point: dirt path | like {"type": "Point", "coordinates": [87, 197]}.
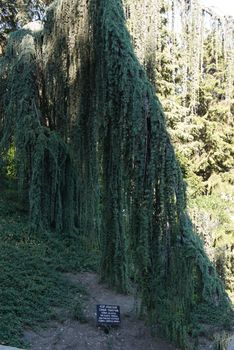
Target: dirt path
{"type": "Point", "coordinates": [72, 335]}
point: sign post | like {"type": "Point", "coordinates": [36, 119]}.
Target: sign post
{"type": "Point", "coordinates": [108, 315]}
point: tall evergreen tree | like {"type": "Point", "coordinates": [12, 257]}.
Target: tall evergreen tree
{"type": "Point", "coordinates": [188, 54]}
{"type": "Point", "coordinates": [94, 156]}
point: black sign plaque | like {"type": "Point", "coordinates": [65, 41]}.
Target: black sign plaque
{"type": "Point", "coordinates": [108, 315]}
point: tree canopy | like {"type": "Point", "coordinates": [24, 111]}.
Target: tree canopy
{"type": "Point", "coordinates": [15, 14]}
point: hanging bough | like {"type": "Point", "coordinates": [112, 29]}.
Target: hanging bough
{"type": "Point", "coordinates": [44, 164]}
{"type": "Point", "coordinates": [93, 153]}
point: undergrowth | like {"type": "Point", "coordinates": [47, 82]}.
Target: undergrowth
{"type": "Point", "coordinates": [32, 285]}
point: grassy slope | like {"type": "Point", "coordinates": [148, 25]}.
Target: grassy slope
{"type": "Point", "coordinates": [31, 282]}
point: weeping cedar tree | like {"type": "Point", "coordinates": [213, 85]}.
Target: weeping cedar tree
{"type": "Point", "coordinates": [94, 156]}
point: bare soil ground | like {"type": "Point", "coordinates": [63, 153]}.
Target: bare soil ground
{"type": "Point", "coordinates": [73, 335]}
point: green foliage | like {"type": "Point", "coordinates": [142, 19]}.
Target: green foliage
{"type": "Point", "coordinates": [188, 55]}
{"type": "Point", "coordinates": [10, 164]}
{"type": "Point", "coordinates": [78, 312]}
{"type": "Point", "coordinates": [213, 218]}
{"type": "Point", "coordinates": [31, 282]}
{"type": "Point", "coordinates": [7, 168]}
{"type": "Point", "coordinates": [15, 14]}
{"type": "Point", "coordinates": [160, 232]}
{"type": "Point", "coordinates": [43, 160]}
{"type": "Point", "coordinates": [95, 158]}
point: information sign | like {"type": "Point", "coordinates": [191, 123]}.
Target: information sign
{"type": "Point", "coordinates": [108, 315]}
